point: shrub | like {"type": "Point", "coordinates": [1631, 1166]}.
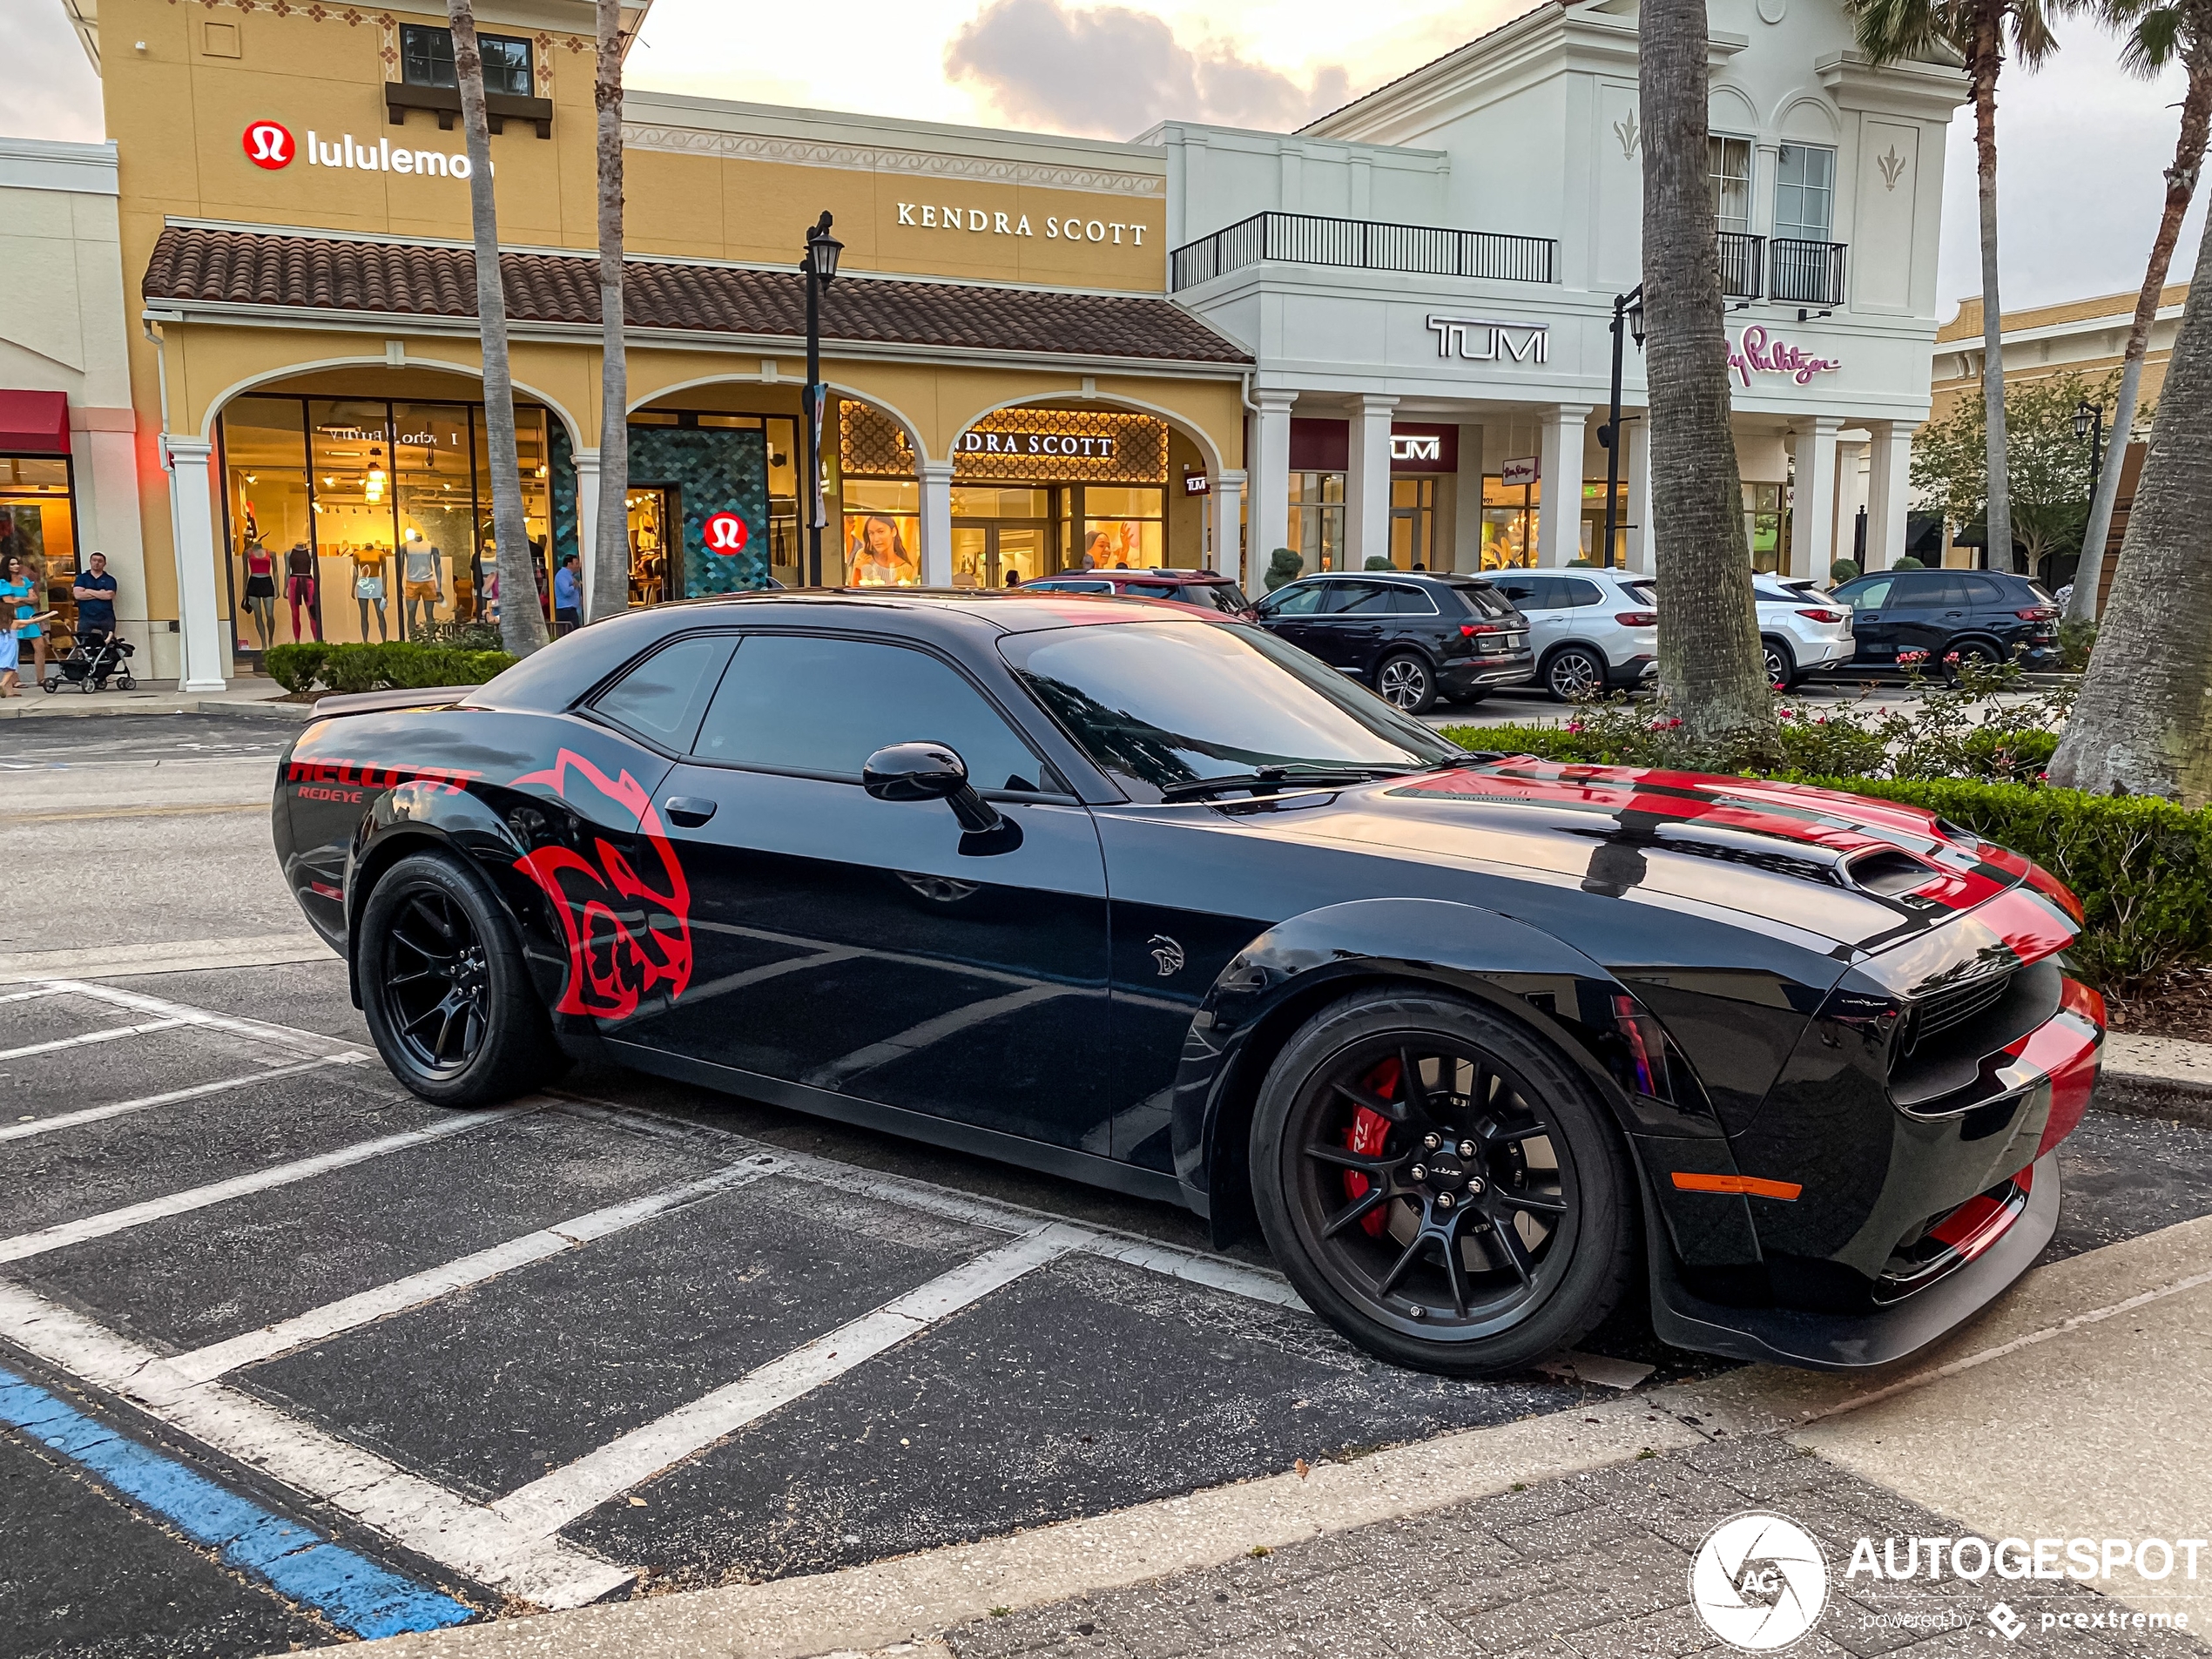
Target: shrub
{"type": "Point", "coordinates": [400, 665]}
{"type": "Point", "coordinates": [1908, 562]}
{"type": "Point", "coordinates": [1283, 568]}
{"type": "Point", "coordinates": [294, 667]}
{"type": "Point", "coordinates": [1843, 570]}
{"type": "Point", "coordinates": [1377, 561]}
{"type": "Point", "coordinates": [462, 635]}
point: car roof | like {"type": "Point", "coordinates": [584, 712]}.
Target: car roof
{"type": "Point", "coordinates": [1199, 578]}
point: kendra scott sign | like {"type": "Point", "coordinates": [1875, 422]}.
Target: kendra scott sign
{"type": "Point", "coordinates": [977, 221]}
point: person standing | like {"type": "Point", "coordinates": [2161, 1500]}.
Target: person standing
{"type": "Point", "coordinates": [18, 603]}
{"type": "Point", "coordinates": [10, 683]}
{"type": "Point", "coordinates": [568, 597]}
{"type": "Point", "coordinates": [95, 595]}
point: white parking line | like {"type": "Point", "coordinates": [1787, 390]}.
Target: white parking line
{"type": "Point", "coordinates": [94, 1114]}
{"type": "Point", "coordinates": [105, 1034]}
{"type": "Point", "coordinates": [1198, 1267]}
{"type": "Point", "coordinates": [62, 1234]}
{"type": "Point", "coordinates": [414, 1513]}
{"type": "Point", "coordinates": [30, 996]}
{"type": "Point", "coordinates": [348, 1313]}
{"type": "Point", "coordinates": [284, 1037]}
{"type": "Point", "coordinates": [546, 1506]}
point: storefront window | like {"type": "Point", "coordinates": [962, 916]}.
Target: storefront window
{"type": "Point", "coordinates": [1763, 524]}
{"type": "Point", "coordinates": [1122, 528]}
{"type": "Point", "coordinates": [355, 519]}
{"type": "Point", "coordinates": [1731, 171]}
{"type": "Point", "coordinates": [1317, 519]}
{"type": "Point", "coordinates": [533, 462]}
{"type": "Point", "coordinates": [1413, 524]}
{"type": "Point", "coordinates": [1508, 524]}
{"type": "Point", "coordinates": [882, 533]}
{"type": "Point", "coordinates": [37, 521]}
{"type": "Point", "coordinates": [1594, 524]}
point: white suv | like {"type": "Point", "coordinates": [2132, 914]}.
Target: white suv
{"type": "Point", "coordinates": [1592, 630]}
{"type": "Point", "coordinates": [1800, 628]}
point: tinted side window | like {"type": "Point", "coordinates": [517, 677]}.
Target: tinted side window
{"type": "Point", "coordinates": [798, 703]}
{"type": "Point", "coordinates": [1411, 602]}
{"type": "Point", "coordinates": [1151, 590]}
{"type": "Point", "coordinates": [1362, 599]}
{"type": "Point", "coordinates": [1528, 592]}
{"type": "Point", "coordinates": [1483, 600]}
{"type": "Point", "coordinates": [660, 699]}
{"type": "Point", "coordinates": [1918, 590]}
{"type": "Point", "coordinates": [1982, 591]}
{"type": "Point", "coordinates": [1870, 595]}
{"type": "Point", "coordinates": [1300, 599]}
{"type": "Point", "coordinates": [1574, 591]}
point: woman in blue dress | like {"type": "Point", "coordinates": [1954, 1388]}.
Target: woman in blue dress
{"type": "Point", "coordinates": [16, 595]}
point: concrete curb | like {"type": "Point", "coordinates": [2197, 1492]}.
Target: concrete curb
{"type": "Point", "coordinates": [63, 705]}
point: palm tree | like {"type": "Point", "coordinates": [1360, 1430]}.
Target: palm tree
{"type": "Point", "coordinates": [2159, 32]}
{"type": "Point", "coordinates": [610, 541]}
{"type": "Point", "coordinates": [2138, 726]}
{"type": "Point", "coordinates": [1979, 31]}
{"type": "Point", "coordinates": [1712, 671]}
{"type": "Point", "coordinates": [522, 624]}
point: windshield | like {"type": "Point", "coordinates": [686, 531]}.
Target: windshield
{"type": "Point", "coordinates": [1155, 704]}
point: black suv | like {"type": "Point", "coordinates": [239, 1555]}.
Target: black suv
{"type": "Point", "coordinates": [1412, 636]}
{"type": "Point", "coordinates": [1987, 617]}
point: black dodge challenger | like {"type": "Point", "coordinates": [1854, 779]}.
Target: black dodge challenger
{"type": "Point", "coordinates": [1482, 1044]}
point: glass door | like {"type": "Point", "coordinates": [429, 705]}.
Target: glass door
{"type": "Point", "coordinates": [650, 513]}
{"type": "Point", "coordinates": [1019, 553]}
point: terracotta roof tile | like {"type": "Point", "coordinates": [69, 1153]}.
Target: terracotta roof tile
{"type": "Point", "coordinates": [253, 268]}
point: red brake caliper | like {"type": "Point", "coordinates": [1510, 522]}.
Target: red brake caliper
{"type": "Point", "coordinates": [1368, 1131]}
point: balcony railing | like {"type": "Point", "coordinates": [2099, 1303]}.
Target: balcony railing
{"type": "Point", "coordinates": [1743, 264]}
{"type": "Point", "coordinates": [1307, 238]}
{"type": "Point", "coordinates": [1805, 274]}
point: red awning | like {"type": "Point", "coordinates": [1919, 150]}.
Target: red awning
{"type": "Point", "coordinates": [34, 423]}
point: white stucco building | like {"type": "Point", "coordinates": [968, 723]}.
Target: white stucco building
{"type": "Point", "coordinates": [1426, 279]}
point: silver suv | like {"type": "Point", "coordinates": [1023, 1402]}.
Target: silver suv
{"type": "Point", "coordinates": [1592, 630]}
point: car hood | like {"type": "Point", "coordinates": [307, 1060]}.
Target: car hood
{"type": "Point", "coordinates": [1822, 865]}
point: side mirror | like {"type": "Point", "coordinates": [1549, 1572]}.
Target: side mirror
{"type": "Point", "coordinates": [929, 771]}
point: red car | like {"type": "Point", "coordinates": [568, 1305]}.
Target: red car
{"type": "Point", "coordinates": [1208, 589]}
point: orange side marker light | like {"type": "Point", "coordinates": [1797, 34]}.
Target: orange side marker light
{"type": "Point", "coordinates": [1749, 1186]}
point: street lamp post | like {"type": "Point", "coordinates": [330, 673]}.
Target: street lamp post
{"type": "Point", "coordinates": [2090, 427]}
{"type": "Point", "coordinates": [1629, 307]}
{"type": "Point", "coordinates": [818, 267]}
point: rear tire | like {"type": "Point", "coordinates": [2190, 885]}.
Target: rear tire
{"type": "Point", "coordinates": [1781, 666]}
{"type": "Point", "coordinates": [1508, 1238]}
{"type": "Point", "coordinates": [446, 994]}
{"type": "Point", "coordinates": [1575, 671]}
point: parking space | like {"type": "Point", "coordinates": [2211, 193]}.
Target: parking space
{"type": "Point", "coordinates": [624, 1336]}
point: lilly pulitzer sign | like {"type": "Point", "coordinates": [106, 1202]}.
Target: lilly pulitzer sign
{"type": "Point", "coordinates": [1757, 352]}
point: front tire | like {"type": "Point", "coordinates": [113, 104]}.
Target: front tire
{"type": "Point", "coordinates": [1469, 1225]}
{"type": "Point", "coordinates": [447, 995]}
{"type": "Point", "coordinates": [1404, 682]}
{"type": "Point", "coordinates": [1573, 672]}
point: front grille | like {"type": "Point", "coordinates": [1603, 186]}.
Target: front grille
{"type": "Point", "coordinates": [1939, 1010]}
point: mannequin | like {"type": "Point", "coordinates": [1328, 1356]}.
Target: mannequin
{"type": "Point", "coordinates": [368, 589]}
{"type": "Point", "coordinates": [422, 580]}
{"type": "Point", "coordinates": [261, 592]}
{"type": "Point", "coordinates": [300, 588]}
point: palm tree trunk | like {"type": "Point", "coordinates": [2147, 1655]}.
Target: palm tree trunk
{"type": "Point", "coordinates": [2181, 185]}
{"type": "Point", "coordinates": [1712, 673]}
{"type": "Point", "coordinates": [610, 541]}
{"type": "Point", "coordinates": [522, 624]}
{"type": "Point", "coordinates": [2138, 725]}
{"type": "Point", "coordinates": [1981, 68]}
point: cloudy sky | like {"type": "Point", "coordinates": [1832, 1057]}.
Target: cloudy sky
{"type": "Point", "coordinates": [2082, 145]}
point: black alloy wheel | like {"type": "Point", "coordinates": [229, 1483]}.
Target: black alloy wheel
{"type": "Point", "coordinates": [444, 989]}
{"type": "Point", "coordinates": [1978, 652]}
{"type": "Point", "coordinates": [1575, 671]}
{"type": "Point", "coordinates": [1439, 1185]}
{"type": "Point", "coordinates": [1780, 667]}
{"type": "Point", "coordinates": [1404, 681]}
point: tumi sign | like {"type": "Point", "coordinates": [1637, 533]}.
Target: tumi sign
{"type": "Point", "coordinates": [1424, 448]}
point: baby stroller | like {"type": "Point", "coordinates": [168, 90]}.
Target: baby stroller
{"type": "Point", "coordinates": [94, 656]}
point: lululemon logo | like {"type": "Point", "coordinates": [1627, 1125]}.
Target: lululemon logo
{"type": "Point", "coordinates": [268, 145]}
{"type": "Point", "coordinates": [1758, 1582]}
{"type": "Point", "coordinates": [725, 533]}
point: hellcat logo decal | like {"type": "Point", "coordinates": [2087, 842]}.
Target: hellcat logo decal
{"type": "Point", "coordinates": [626, 939]}
{"type": "Point", "coordinates": [1166, 953]}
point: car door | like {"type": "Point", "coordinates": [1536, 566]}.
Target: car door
{"type": "Point", "coordinates": [865, 946]}
{"type": "Point", "coordinates": [1291, 613]}
{"type": "Point", "coordinates": [1537, 597]}
{"type": "Point", "coordinates": [1926, 607]}
{"type": "Point", "coordinates": [1870, 618]}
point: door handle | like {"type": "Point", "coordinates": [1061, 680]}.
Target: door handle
{"type": "Point", "coordinates": [688, 811]}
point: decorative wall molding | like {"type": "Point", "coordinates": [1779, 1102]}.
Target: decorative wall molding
{"type": "Point", "coordinates": [860, 158]}
{"type": "Point", "coordinates": [387, 27]}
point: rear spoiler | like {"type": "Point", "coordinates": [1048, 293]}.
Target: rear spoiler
{"type": "Point", "coordinates": [433, 696]}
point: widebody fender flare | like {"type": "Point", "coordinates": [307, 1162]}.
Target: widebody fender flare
{"type": "Point", "coordinates": [1283, 975]}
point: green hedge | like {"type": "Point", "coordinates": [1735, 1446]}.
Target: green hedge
{"type": "Point", "coordinates": [400, 665]}
{"type": "Point", "coordinates": [2142, 867]}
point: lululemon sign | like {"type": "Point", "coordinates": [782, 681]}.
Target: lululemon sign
{"type": "Point", "coordinates": [726, 535]}
{"type": "Point", "coordinates": [268, 144]}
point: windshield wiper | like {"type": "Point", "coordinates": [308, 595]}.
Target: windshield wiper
{"type": "Point", "coordinates": [1273, 778]}
{"type": "Point", "coordinates": [1472, 758]}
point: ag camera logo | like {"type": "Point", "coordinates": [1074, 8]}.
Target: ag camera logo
{"type": "Point", "coordinates": [1758, 1582]}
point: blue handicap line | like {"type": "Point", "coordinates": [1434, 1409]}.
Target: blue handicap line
{"type": "Point", "coordinates": [349, 1589]}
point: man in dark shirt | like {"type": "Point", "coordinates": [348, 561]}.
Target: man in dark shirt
{"type": "Point", "coordinates": [95, 597]}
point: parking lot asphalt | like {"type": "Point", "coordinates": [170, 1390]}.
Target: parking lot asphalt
{"type": "Point", "coordinates": [623, 1338]}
